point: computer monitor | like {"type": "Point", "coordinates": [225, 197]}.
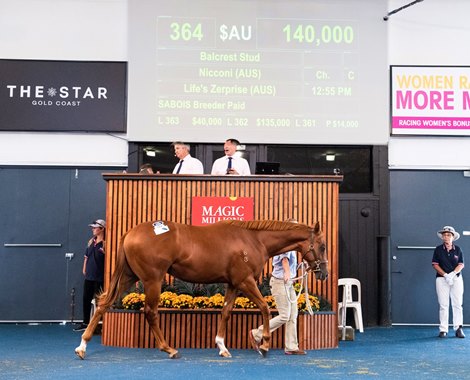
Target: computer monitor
{"type": "Point", "coordinates": [267, 168]}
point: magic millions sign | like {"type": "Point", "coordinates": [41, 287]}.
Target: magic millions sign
{"type": "Point", "coordinates": [208, 210]}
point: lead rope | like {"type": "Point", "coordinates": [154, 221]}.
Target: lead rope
{"type": "Point", "coordinates": [303, 286]}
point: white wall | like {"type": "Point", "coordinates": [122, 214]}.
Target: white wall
{"type": "Point", "coordinates": [94, 30]}
{"type": "Point", "coordinates": [432, 32]}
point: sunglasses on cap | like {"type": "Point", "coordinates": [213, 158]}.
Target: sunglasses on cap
{"type": "Point", "coordinates": [96, 224]}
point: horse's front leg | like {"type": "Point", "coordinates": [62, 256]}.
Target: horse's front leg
{"type": "Point", "coordinates": [230, 295]}
{"type": "Point", "coordinates": [250, 289]}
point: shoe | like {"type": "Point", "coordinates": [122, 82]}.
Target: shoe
{"type": "Point", "coordinates": [296, 352]}
{"type": "Point", "coordinates": [459, 333]}
{"type": "Point", "coordinates": [254, 343]}
{"type": "Point", "coordinates": [81, 327]}
{"type": "Point", "coordinates": [442, 334]}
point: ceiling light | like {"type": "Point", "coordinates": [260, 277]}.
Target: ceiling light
{"type": "Point", "coordinates": [150, 152]}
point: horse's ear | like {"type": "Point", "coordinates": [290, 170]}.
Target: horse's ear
{"type": "Point", "coordinates": [316, 228]}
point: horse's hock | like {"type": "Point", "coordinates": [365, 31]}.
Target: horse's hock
{"type": "Point", "coordinates": [133, 199]}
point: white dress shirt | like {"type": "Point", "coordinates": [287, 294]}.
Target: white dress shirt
{"type": "Point", "coordinates": [219, 167]}
{"type": "Point", "coordinates": [190, 165]}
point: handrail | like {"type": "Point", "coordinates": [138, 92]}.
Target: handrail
{"type": "Point", "coordinates": [413, 247]}
{"type": "Point", "coordinates": [8, 245]}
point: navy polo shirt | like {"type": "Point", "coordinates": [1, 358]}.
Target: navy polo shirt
{"type": "Point", "coordinates": [95, 262]}
{"type": "Point", "coordinates": [447, 260]}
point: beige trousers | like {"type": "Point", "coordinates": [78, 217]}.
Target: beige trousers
{"type": "Point", "coordinates": [287, 314]}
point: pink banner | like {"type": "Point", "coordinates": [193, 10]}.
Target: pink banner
{"type": "Point", "coordinates": [431, 123]}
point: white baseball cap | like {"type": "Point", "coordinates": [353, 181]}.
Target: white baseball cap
{"type": "Point", "coordinates": [98, 223]}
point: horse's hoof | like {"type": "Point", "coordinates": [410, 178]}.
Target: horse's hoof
{"type": "Point", "coordinates": [175, 355]}
{"type": "Point", "coordinates": [80, 353]}
{"type": "Point", "coordinates": [225, 354]}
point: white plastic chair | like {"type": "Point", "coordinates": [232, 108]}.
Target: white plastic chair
{"type": "Point", "coordinates": [347, 284]}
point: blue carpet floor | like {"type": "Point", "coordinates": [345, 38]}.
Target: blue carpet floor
{"type": "Point", "coordinates": [46, 351]}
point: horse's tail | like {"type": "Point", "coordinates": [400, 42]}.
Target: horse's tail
{"type": "Point", "coordinates": [122, 279]}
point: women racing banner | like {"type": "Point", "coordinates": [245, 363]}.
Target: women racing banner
{"type": "Point", "coordinates": [430, 100]}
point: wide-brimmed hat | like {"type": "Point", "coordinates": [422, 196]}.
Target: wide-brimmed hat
{"type": "Point", "coordinates": [448, 229]}
{"type": "Point", "coordinates": [98, 223]}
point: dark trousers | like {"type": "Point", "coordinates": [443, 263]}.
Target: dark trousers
{"type": "Point", "coordinates": [90, 290]}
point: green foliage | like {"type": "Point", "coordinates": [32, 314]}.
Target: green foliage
{"type": "Point", "coordinates": [324, 304]}
{"type": "Point", "coordinates": [264, 287]}
{"type": "Point", "coordinates": [200, 293]}
{"type": "Point", "coordinates": [166, 287]}
{"type": "Point", "coordinates": [139, 287]}
{"type": "Point", "coordinates": [208, 290]}
{"type": "Point", "coordinates": [213, 289]}
{"type": "Point", "coordinates": [197, 290]}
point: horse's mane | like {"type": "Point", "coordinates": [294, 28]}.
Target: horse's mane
{"type": "Point", "coordinates": [270, 225]}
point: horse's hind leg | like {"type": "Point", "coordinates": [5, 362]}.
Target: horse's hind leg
{"type": "Point", "coordinates": [151, 314]}
{"type": "Point", "coordinates": [230, 295]}
{"type": "Point", "coordinates": [80, 351]}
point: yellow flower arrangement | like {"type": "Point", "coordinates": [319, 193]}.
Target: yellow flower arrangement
{"type": "Point", "coordinates": [270, 301]}
{"type": "Point", "coordinates": [166, 299]}
{"type": "Point", "coordinates": [216, 301]}
{"type": "Point", "coordinates": [297, 287]}
{"type": "Point", "coordinates": [201, 302]}
{"type": "Point", "coordinates": [134, 301]}
{"type": "Point", "coordinates": [244, 303]}
{"type": "Point", "coordinates": [183, 301]}
{"type": "Point", "coordinates": [302, 304]}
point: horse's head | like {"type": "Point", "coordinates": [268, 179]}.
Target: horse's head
{"type": "Point", "coordinates": [315, 253]}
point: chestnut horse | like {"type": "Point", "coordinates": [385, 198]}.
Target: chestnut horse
{"type": "Point", "coordinates": [231, 252]}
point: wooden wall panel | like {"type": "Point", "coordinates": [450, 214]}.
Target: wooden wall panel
{"type": "Point", "coordinates": [198, 328]}
{"type": "Point", "coordinates": [133, 199]}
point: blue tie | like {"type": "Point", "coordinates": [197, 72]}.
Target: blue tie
{"type": "Point", "coordinates": [179, 167]}
{"type": "Point", "coordinates": [229, 163]}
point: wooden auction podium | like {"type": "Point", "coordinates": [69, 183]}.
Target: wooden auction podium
{"type": "Point", "coordinates": [137, 198]}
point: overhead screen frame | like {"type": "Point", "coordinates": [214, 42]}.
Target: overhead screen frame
{"type": "Point", "coordinates": [364, 121]}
